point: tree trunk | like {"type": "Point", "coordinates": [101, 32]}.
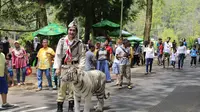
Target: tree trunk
{"type": "Point", "coordinates": [148, 21]}
{"type": "Point", "coordinates": [88, 20]}
{"type": "Point", "coordinates": [70, 14]}
{"type": "Point", "coordinates": [42, 15]}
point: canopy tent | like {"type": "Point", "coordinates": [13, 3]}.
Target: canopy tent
{"type": "Point", "coordinates": [116, 33]}
{"type": "Point", "coordinates": [100, 39]}
{"type": "Point", "coordinates": [106, 23]}
{"type": "Point", "coordinates": [103, 27]}
{"type": "Point", "coordinates": [51, 30]}
{"type": "Point", "coordinates": [134, 38]}
{"type": "Point", "coordinates": [134, 42]}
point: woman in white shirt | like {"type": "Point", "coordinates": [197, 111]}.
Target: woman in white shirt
{"type": "Point", "coordinates": [181, 51]}
{"type": "Point", "coordinates": [149, 57]}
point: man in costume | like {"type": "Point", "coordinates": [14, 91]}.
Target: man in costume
{"type": "Point", "coordinates": [69, 52]}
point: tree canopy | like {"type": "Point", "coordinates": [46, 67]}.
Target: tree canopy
{"type": "Point", "coordinates": [176, 18]}
{"type": "Point", "coordinates": [34, 14]}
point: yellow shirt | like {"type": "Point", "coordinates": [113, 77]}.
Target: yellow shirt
{"type": "Point", "coordinates": [45, 56]}
{"type": "Point", "coordinates": [131, 54]}
{"type": "Point", "coordinates": [2, 64]}
{"type": "Point", "coordinates": [95, 52]}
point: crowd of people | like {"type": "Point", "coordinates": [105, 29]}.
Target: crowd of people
{"type": "Point", "coordinates": [116, 59]}
{"type": "Point", "coordinates": [170, 52]}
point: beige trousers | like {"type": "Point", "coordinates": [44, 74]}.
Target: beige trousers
{"type": "Point", "coordinates": [125, 71]}
{"type": "Point", "coordinates": [65, 89]}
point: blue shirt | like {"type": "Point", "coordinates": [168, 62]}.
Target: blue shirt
{"type": "Point", "coordinates": [185, 44]}
{"type": "Point", "coordinates": [193, 53]}
{"type": "Point", "coordinates": [90, 61]}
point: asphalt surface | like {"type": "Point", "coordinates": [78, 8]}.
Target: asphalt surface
{"type": "Point", "coordinates": [164, 90]}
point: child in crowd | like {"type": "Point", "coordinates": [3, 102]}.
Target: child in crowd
{"type": "Point", "coordinates": [193, 54]}
{"type": "Point", "coordinates": [173, 58]}
{"type": "Point", "coordinates": [3, 82]}
{"type": "Point", "coordinates": [10, 69]}
{"type": "Point", "coordinates": [54, 78]}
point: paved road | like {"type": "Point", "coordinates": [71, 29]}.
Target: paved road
{"type": "Point", "coordinates": [150, 93]}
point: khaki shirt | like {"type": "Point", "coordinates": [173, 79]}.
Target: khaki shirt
{"type": "Point", "coordinates": [77, 50]}
{"type": "Point", "coordinates": [2, 65]}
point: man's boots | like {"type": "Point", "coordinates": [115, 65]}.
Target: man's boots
{"type": "Point", "coordinates": [71, 106]}
{"type": "Point", "coordinates": [59, 106]}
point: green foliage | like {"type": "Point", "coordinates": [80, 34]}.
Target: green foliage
{"type": "Point", "coordinates": [175, 18]}
{"type": "Point", "coordinates": [169, 33]}
{"type": "Point", "coordinates": [94, 11]}
{"type": "Point", "coordinates": [21, 12]}
{"type": "Point", "coordinates": [191, 41]}
{"type": "Point", "coordinates": [24, 38]}
{"type": "Point", "coordinates": [101, 9]}
{"type": "Point", "coordinates": [137, 27]}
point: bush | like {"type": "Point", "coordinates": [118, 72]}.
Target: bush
{"type": "Point", "coordinates": [191, 41]}
{"type": "Point", "coordinates": [24, 38]}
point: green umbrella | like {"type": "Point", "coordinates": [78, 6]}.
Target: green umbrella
{"type": "Point", "coordinates": [51, 30]}
{"type": "Point", "coordinates": [116, 33]}
{"type": "Point", "coordinates": [106, 23]}
{"type": "Point", "coordinates": [100, 39]}
{"type": "Point", "coordinates": [134, 42]}
{"type": "Point", "coordinates": [134, 38]}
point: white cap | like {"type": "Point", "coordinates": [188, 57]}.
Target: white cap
{"type": "Point", "coordinates": [73, 24]}
{"type": "Point", "coordinates": [16, 42]}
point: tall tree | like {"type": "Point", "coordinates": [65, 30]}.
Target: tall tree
{"type": "Point", "coordinates": [89, 16]}
{"type": "Point", "coordinates": [42, 14]}
{"type": "Point", "coordinates": [147, 29]}
{"type": "Point", "coordinates": [21, 13]}
{"type": "Point", "coordinates": [93, 11]}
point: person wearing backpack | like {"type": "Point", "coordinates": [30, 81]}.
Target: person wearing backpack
{"type": "Point", "coordinates": [193, 54]}
{"type": "Point", "coordinates": [123, 55]}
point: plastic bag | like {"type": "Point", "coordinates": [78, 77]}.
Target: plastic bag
{"type": "Point", "coordinates": [28, 70]}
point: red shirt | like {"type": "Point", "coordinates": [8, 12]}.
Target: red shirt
{"type": "Point", "coordinates": [109, 49]}
{"type": "Point", "coordinates": [161, 47]}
